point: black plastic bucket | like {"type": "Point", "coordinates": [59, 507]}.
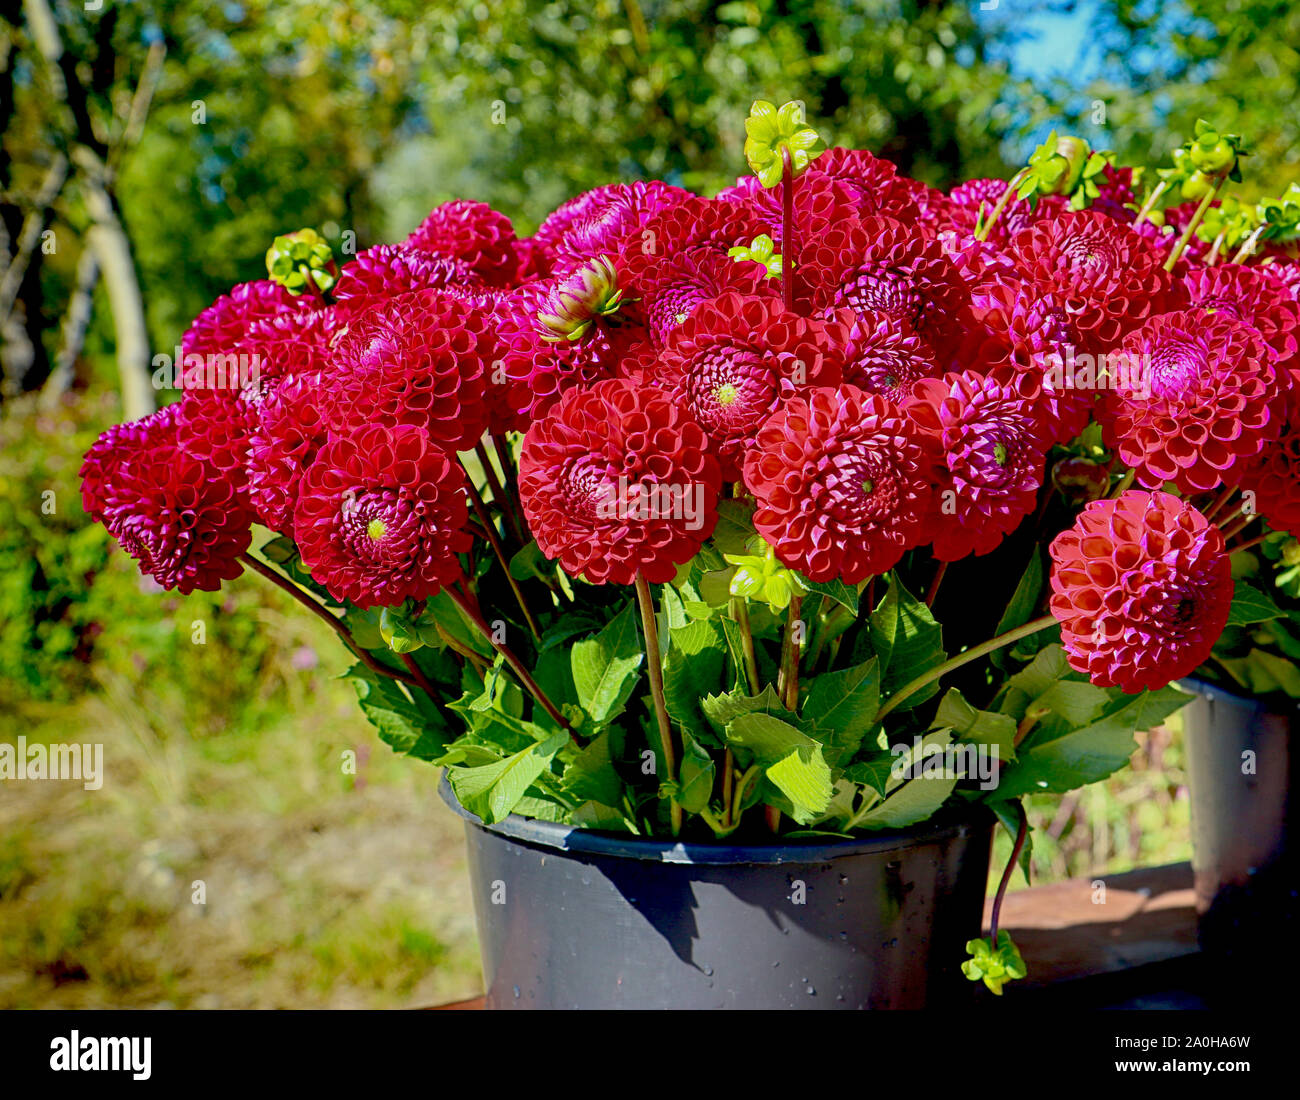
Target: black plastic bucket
{"type": "Point", "coordinates": [1241, 763]}
{"type": "Point", "coordinates": [570, 918]}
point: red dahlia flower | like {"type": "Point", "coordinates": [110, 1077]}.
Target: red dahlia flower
{"type": "Point", "coordinates": [220, 327]}
{"type": "Point", "coordinates": [878, 266]}
{"type": "Point", "coordinates": [183, 526]}
{"type": "Point", "coordinates": [424, 359]}
{"type": "Point", "coordinates": [289, 430]}
{"type": "Point", "coordinates": [676, 286]}
{"type": "Point", "coordinates": [616, 479]}
{"type": "Point", "coordinates": [994, 447]}
{"type": "Point", "coordinates": [380, 516]}
{"type": "Point", "coordinates": [1246, 294]}
{"type": "Point", "coordinates": [473, 233]}
{"type": "Point", "coordinates": [1190, 398]}
{"type": "Point", "coordinates": [391, 269]}
{"type": "Point", "coordinates": [734, 361]}
{"type": "Point", "coordinates": [1103, 277]}
{"type": "Point", "coordinates": [1274, 476]}
{"type": "Point", "coordinates": [842, 482]}
{"type": "Point", "coordinates": [1141, 587]}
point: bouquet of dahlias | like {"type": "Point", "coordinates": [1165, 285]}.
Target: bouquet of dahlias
{"type": "Point", "coordinates": [641, 524]}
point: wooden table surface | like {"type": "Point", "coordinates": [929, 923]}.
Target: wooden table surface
{"type": "Point", "coordinates": [1121, 941]}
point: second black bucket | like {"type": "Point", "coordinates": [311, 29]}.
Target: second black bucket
{"type": "Point", "coordinates": [569, 918]}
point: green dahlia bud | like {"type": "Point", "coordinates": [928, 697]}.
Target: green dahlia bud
{"type": "Point", "coordinates": [295, 258]}
{"type": "Point", "coordinates": [994, 966]}
{"type": "Point", "coordinates": [578, 300]}
{"type": "Point", "coordinates": [1058, 164]}
{"type": "Point", "coordinates": [761, 577]}
{"type": "Point", "coordinates": [1197, 186]}
{"type": "Point", "coordinates": [761, 251]}
{"type": "Point", "coordinates": [770, 131]}
{"type": "Point", "coordinates": [1215, 153]}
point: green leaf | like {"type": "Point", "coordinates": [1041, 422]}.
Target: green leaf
{"type": "Point", "coordinates": [984, 727]}
{"type": "Point", "coordinates": [843, 594]}
{"type": "Point", "coordinates": [1063, 761]}
{"type": "Point", "coordinates": [401, 724]}
{"type": "Point", "coordinates": [1026, 686]}
{"type": "Point", "coordinates": [590, 775]}
{"type": "Point", "coordinates": [606, 668]}
{"type": "Point", "coordinates": [874, 772]}
{"type": "Point", "coordinates": [1024, 601]}
{"type": "Point", "coordinates": [908, 641]}
{"type": "Point", "coordinates": [442, 611]}
{"type": "Point", "coordinates": [723, 709]}
{"type": "Point", "coordinates": [842, 708]}
{"type": "Point", "coordinates": [1250, 605]}
{"type": "Point", "coordinates": [791, 760]}
{"type": "Point", "coordinates": [492, 791]}
{"type": "Point", "coordinates": [695, 778]}
{"type": "Point", "coordinates": [735, 527]}
{"type": "Point", "coordinates": [531, 563]}
{"type": "Point", "coordinates": [692, 669]}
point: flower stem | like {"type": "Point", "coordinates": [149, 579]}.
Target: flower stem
{"type": "Point", "coordinates": [1150, 203]}
{"type": "Point", "coordinates": [1213, 257]}
{"type": "Point", "coordinates": [420, 678]}
{"type": "Point", "coordinates": [1247, 249]}
{"type": "Point", "coordinates": [1217, 505]}
{"type": "Point", "coordinates": [502, 498]}
{"type": "Point", "coordinates": [1122, 486]}
{"type": "Point", "coordinates": [787, 230]}
{"type": "Point", "coordinates": [494, 540]}
{"type": "Point", "coordinates": [1250, 544]}
{"type": "Point", "coordinates": [934, 584]}
{"type": "Point", "coordinates": [471, 612]}
{"type": "Point", "coordinates": [654, 664]}
{"type": "Point", "coordinates": [1022, 832]}
{"type": "Point", "coordinates": [788, 677]}
{"type": "Point", "coordinates": [740, 612]}
{"type": "Point", "coordinates": [911, 688]}
{"type": "Point", "coordinates": [1197, 218]}
{"type": "Point", "coordinates": [336, 624]}
{"type": "Point", "coordinates": [1012, 184]}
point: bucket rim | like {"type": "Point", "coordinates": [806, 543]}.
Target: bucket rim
{"type": "Point", "coordinates": [572, 839]}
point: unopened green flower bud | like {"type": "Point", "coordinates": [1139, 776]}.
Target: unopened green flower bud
{"type": "Point", "coordinates": [302, 261]}
{"type": "Point", "coordinates": [1197, 186]}
{"type": "Point", "coordinates": [770, 133]}
{"type": "Point", "coordinates": [761, 251]}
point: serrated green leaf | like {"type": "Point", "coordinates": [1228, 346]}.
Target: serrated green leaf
{"type": "Point", "coordinates": [695, 776]}
{"type": "Point", "coordinates": [790, 759]}
{"type": "Point", "coordinates": [842, 706]}
{"type": "Point", "coordinates": [908, 642]}
{"type": "Point", "coordinates": [735, 527]}
{"type": "Point", "coordinates": [606, 668]}
{"type": "Point", "coordinates": [722, 709]}
{"type": "Point", "coordinates": [1251, 605]}
{"type": "Point", "coordinates": [983, 727]}
{"type": "Point", "coordinates": [492, 791]}
{"type": "Point", "coordinates": [1024, 601]}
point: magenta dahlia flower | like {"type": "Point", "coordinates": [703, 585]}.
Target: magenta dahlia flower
{"type": "Point", "coordinates": [473, 233]}
{"type": "Point", "coordinates": [184, 527]}
{"type": "Point", "coordinates": [843, 484]}
{"type": "Point", "coordinates": [1192, 395]}
{"type": "Point", "coordinates": [994, 447]}
{"type": "Point", "coordinates": [381, 516]}
{"type": "Point", "coordinates": [617, 480]}
{"type": "Point", "coordinates": [1141, 587]}
{"type": "Point", "coordinates": [734, 361]}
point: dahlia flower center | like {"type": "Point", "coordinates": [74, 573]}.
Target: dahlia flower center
{"type": "Point", "coordinates": [585, 485]}
{"type": "Point", "coordinates": [1222, 305]}
{"type": "Point", "coordinates": [730, 390]}
{"type": "Point", "coordinates": [1177, 365]}
{"type": "Point", "coordinates": [856, 487]}
{"type": "Point", "coordinates": [883, 291]}
{"type": "Point", "coordinates": [1089, 253]}
{"type": "Point", "coordinates": [381, 525]}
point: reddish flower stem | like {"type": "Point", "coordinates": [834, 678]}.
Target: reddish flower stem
{"type": "Point", "coordinates": [494, 540]}
{"type": "Point", "coordinates": [504, 500]}
{"type": "Point", "coordinates": [654, 665]}
{"type": "Point", "coordinates": [787, 231]}
{"type": "Point", "coordinates": [1021, 834]}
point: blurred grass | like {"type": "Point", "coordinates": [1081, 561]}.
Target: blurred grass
{"type": "Point", "coordinates": [322, 889]}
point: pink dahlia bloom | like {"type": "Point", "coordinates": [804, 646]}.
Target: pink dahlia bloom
{"type": "Point", "coordinates": [1193, 395]}
{"type": "Point", "coordinates": [1274, 475]}
{"type": "Point", "coordinates": [380, 516]}
{"type": "Point", "coordinates": [842, 481]}
{"type": "Point", "coordinates": [219, 329]}
{"type": "Point", "coordinates": [734, 361]}
{"type": "Point", "coordinates": [424, 359]}
{"type": "Point", "coordinates": [676, 286]}
{"type": "Point", "coordinates": [1248, 295]}
{"type": "Point", "coordinates": [617, 480]}
{"type": "Point", "coordinates": [993, 447]}
{"type": "Point", "coordinates": [184, 527]}
{"type": "Point", "coordinates": [289, 430]}
{"type": "Point", "coordinates": [881, 353]}
{"type": "Point", "coordinates": [1141, 587]}
{"type": "Point", "coordinates": [391, 269]}
{"type": "Point", "coordinates": [473, 233]}
{"type": "Point", "coordinates": [606, 221]}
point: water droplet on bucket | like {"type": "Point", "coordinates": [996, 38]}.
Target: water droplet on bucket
{"type": "Point", "coordinates": [843, 879]}
{"type": "Point", "coordinates": [516, 992]}
{"type": "Point", "coordinates": [811, 991]}
{"type": "Point", "coordinates": [708, 972]}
